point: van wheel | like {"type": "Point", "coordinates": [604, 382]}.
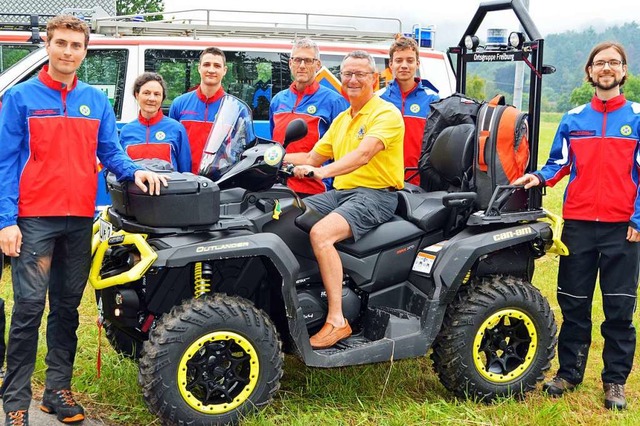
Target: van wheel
{"type": "Point", "coordinates": [210, 360]}
{"type": "Point", "coordinates": [127, 346]}
{"type": "Point", "coordinates": [497, 339]}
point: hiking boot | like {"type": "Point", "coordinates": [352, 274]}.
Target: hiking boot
{"type": "Point", "coordinates": [17, 418]}
{"type": "Point", "coordinates": [614, 396]}
{"type": "Point", "coordinates": [61, 403]}
{"type": "Point", "coordinates": [557, 386]}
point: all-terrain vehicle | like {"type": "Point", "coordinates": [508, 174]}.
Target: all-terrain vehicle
{"type": "Point", "coordinates": [210, 283]}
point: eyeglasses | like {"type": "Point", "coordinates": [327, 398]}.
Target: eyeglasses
{"type": "Point", "coordinates": [307, 61]}
{"type": "Point", "coordinates": [358, 75]}
{"type": "Point", "coordinates": [613, 63]}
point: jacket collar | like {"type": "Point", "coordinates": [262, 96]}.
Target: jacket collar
{"type": "Point", "coordinates": [216, 96]}
{"type": "Point", "coordinates": [309, 90]}
{"type": "Point", "coordinates": [151, 121]}
{"type": "Point", "coordinates": [45, 78]}
{"type": "Point", "coordinates": [610, 105]}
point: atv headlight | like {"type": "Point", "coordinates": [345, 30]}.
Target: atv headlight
{"type": "Point", "coordinates": [471, 42]}
{"type": "Point", "coordinates": [516, 40]}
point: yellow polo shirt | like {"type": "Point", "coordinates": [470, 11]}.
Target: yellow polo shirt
{"type": "Point", "coordinates": [381, 120]}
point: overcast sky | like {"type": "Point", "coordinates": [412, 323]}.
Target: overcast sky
{"type": "Point", "coordinates": [451, 17]}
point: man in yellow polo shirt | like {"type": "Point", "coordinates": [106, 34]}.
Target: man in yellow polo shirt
{"type": "Point", "coordinates": [366, 144]}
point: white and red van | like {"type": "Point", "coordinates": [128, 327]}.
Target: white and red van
{"type": "Point", "coordinates": [257, 55]}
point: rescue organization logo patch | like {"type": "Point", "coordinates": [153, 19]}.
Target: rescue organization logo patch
{"type": "Point", "coordinates": [160, 135]}
{"type": "Point", "coordinates": [273, 155]}
{"type": "Point", "coordinates": [311, 109]}
{"type": "Point", "coordinates": [85, 110]}
{"type": "Point", "coordinates": [625, 130]}
{"type": "Point", "coordinates": [361, 132]}
{"type": "Point", "coordinates": [415, 108]}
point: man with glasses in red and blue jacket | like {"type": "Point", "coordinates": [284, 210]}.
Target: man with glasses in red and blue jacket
{"type": "Point", "coordinates": [597, 146]}
{"type": "Point", "coordinates": [306, 99]}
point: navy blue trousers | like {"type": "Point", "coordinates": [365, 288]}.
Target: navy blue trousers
{"type": "Point", "coordinates": [597, 247]}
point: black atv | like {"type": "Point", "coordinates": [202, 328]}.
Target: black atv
{"type": "Point", "coordinates": [210, 283]}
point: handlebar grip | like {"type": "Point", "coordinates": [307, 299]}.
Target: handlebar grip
{"type": "Point", "coordinates": [309, 175]}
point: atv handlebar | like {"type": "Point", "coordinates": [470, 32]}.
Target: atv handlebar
{"type": "Point", "coordinates": [287, 170]}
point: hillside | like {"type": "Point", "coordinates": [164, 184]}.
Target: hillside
{"type": "Point", "coordinates": [567, 51]}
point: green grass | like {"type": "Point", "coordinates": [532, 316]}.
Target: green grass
{"type": "Point", "coordinates": [394, 393]}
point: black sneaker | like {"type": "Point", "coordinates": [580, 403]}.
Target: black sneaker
{"type": "Point", "coordinates": [17, 418]}
{"type": "Point", "coordinates": [557, 386]}
{"type": "Point", "coordinates": [614, 396]}
{"type": "Point", "coordinates": [61, 403]}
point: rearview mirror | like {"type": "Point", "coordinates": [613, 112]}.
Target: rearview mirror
{"type": "Point", "coordinates": [296, 130]}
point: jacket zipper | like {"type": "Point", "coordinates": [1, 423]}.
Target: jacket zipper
{"type": "Point", "coordinates": [603, 138]}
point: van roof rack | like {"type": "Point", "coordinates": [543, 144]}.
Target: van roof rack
{"type": "Point", "coordinates": [234, 23]}
{"type": "Point", "coordinates": [25, 22]}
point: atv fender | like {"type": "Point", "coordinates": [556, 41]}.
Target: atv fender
{"type": "Point", "coordinates": [268, 245]}
{"type": "Point", "coordinates": [463, 250]}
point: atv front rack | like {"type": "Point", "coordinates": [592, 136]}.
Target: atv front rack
{"type": "Point", "coordinates": [223, 224]}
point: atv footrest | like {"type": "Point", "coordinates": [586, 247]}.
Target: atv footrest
{"type": "Point", "coordinates": [392, 323]}
{"type": "Point", "coordinates": [352, 342]}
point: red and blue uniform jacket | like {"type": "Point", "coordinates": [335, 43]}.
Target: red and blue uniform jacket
{"type": "Point", "coordinates": [318, 106]}
{"type": "Point", "coordinates": [197, 113]}
{"type": "Point", "coordinates": [597, 146]}
{"type": "Point", "coordinates": [415, 107]}
{"type": "Point", "coordinates": [158, 137]}
{"type": "Point", "coordinates": [49, 138]}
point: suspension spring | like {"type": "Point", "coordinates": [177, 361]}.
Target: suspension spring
{"type": "Point", "coordinates": [202, 273]}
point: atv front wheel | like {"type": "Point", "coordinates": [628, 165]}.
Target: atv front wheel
{"type": "Point", "coordinates": [210, 361]}
{"type": "Point", "coordinates": [497, 339]}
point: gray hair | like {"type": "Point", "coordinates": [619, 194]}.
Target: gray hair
{"type": "Point", "coordinates": [360, 54]}
{"type": "Point", "coordinates": [306, 43]}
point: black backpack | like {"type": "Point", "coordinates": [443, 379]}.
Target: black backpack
{"type": "Point", "coordinates": [451, 111]}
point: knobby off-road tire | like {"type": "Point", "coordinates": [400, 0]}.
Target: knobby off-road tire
{"type": "Point", "coordinates": [497, 339]}
{"type": "Point", "coordinates": [210, 361]}
{"type": "Point", "coordinates": [124, 344]}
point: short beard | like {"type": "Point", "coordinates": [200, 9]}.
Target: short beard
{"type": "Point", "coordinates": [612, 85]}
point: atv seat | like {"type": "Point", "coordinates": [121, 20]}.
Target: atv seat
{"type": "Point", "coordinates": [394, 232]}
{"type": "Point", "coordinates": [425, 210]}
{"type": "Point", "coordinates": [451, 158]}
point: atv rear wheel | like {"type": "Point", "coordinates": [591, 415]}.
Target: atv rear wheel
{"type": "Point", "coordinates": [497, 339]}
{"type": "Point", "coordinates": [124, 344]}
{"type": "Point", "coordinates": [210, 360]}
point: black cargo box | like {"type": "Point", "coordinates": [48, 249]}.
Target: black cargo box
{"type": "Point", "coordinates": [189, 200]}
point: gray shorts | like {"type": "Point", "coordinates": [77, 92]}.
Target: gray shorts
{"type": "Point", "coordinates": [362, 208]}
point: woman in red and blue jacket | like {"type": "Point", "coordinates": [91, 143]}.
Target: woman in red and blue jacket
{"type": "Point", "coordinates": [152, 134]}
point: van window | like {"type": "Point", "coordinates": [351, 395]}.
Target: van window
{"type": "Point", "coordinates": [12, 53]}
{"type": "Point", "coordinates": [253, 77]}
{"type": "Point", "coordinates": [104, 69]}
{"type": "Point", "coordinates": [332, 62]}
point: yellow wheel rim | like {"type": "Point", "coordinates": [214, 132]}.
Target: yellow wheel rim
{"type": "Point", "coordinates": [218, 372]}
{"type": "Point", "coordinates": [505, 346]}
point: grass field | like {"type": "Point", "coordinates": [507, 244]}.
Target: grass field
{"type": "Point", "coordinates": [400, 393]}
